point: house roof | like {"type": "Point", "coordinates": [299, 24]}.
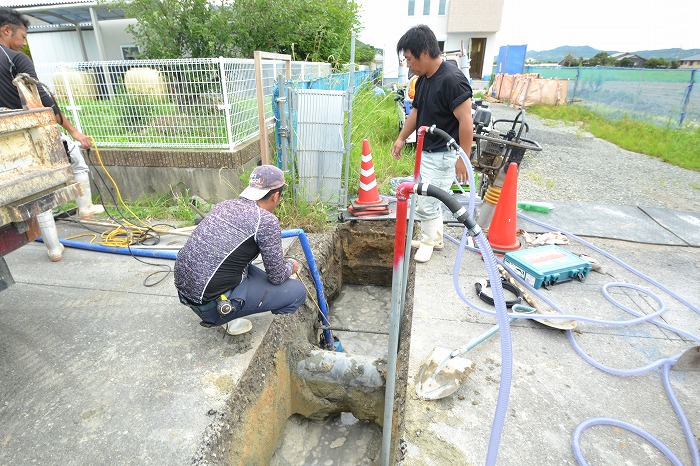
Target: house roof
{"type": "Point", "coordinates": [61, 14]}
{"type": "Point", "coordinates": [695, 57]}
{"type": "Point", "coordinates": [623, 55]}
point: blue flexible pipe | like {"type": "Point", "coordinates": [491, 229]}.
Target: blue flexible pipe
{"type": "Point", "coordinates": [664, 363]}
{"type": "Point", "coordinates": [153, 253]}
{"type": "Point", "coordinates": [576, 438]}
{"type": "Point", "coordinates": [172, 255]}
{"type": "Point", "coordinates": [490, 262]}
{"type": "Point", "coordinates": [613, 258]}
{"type": "Point", "coordinates": [320, 296]}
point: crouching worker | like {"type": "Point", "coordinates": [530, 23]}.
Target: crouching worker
{"type": "Point", "coordinates": [213, 271]}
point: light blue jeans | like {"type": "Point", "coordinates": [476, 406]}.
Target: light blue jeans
{"type": "Point", "coordinates": [438, 169]}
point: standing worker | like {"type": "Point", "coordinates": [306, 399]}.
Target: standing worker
{"type": "Point", "coordinates": [13, 36]}
{"type": "Point", "coordinates": [213, 271]}
{"type": "Point", "coordinates": [443, 98]}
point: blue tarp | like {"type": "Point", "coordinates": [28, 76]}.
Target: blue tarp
{"type": "Point", "coordinates": [511, 59]}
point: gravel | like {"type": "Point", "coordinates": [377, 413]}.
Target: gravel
{"type": "Point", "coordinates": [576, 166]}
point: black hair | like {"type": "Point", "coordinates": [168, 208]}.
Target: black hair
{"type": "Point", "coordinates": [417, 40]}
{"type": "Point", "coordinates": [13, 17]}
{"type": "Point", "coordinates": [273, 191]}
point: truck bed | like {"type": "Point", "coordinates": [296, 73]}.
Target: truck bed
{"type": "Point", "coordinates": [35, 172]}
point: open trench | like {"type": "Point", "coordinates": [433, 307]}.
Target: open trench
{"type": "Point", "coordinates": [293, 389]}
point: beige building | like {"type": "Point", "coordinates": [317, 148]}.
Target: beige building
{"type": "Point", "coordinates": [469, 23]}
{"type": "Point", "coordinates": [690, 62]}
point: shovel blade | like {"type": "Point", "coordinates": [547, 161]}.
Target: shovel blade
{"type": "Point", "coordinates": [689, 360]}
{"type": "Point", "coordinates": [440, 376]}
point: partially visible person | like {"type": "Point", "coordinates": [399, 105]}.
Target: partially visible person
{"type": "Point", "coordinates": [13, 36]}
{"type": "Point", "coordinates": [442, 98]}
{"type": "Point", "coordinates": [214, 269]}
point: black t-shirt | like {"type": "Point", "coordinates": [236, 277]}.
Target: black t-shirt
{"type": "Point", "coordinates": [12, 63]}
{"type": "Point", "coordinates": [436, 98]}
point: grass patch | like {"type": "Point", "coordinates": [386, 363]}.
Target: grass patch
{"type": "Point", "coordinates": [375, 118]}
{"type": "Point", "coordinates": [677, 146]}
{"type": "Point", "coordinates": [163, 207]}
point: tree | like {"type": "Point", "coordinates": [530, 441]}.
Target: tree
{"type": "Point", "coordinates": [660, 63]}
{"type": "Point", "coordinates": [315, 30]}
{"type": "Point", "coordinates": [364, 54]}
{"type": "Point", "coordinates": [570, 60]}
{"type": "Point", "coordinates": [180, 28]}
{"type": "Point", "coordinates": [600, 59]}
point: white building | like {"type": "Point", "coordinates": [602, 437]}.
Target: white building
{"type": "Point", "coordinates": [472, 23]}
{"type": "Point", "coordinates": [83, 30]}
{"type": "Point", "coordinates": [75, 30]}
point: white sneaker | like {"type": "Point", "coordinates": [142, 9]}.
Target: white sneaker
{"type": "Point", "coordinates": [237, 326]}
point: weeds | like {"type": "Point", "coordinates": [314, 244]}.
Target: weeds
{"type": "Point", "coordinates": [170, 208]}
{"type": "Point", "coordinates": [375, 118]}
{"type": "Point", "coordinates": [677, 146]}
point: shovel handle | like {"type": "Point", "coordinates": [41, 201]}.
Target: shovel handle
{"type": "Point", "coordinates": [475, 341]}
{"type": "Point", "coordinates": [460, 351]}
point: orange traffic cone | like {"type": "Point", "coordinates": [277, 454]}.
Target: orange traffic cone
{"type": "Point", "coordinates": [368, 202]}
{"type": "Point", "coordinates": [502, 232]}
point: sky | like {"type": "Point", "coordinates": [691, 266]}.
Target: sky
{"type": "Point", "coordinates": [620, 25]}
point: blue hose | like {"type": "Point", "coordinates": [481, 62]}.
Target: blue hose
{"type": "Point", "coordinates": [320, 296]}
{"type": "Point", "coordinates": [172, 255]}
{"type": "Point", "coordinates": [506, 349]}
{"type": "Point", "coordinates": [153, 253]}
{"type": "Point", "coordinates": [664, 363]}
{"type": "Point", "coordinates": [576, 439]}
{"type": "Point", "coordinates": [490, 262]}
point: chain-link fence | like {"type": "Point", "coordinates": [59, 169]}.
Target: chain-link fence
{"type": "Point", "coordinates": [184, 103]}
{"type": "Point", "coordinates": [668, 96]}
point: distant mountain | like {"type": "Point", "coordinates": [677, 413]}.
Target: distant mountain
{"type": "Point", "coordinates": [667, 54]}
{"type": "Point", "coordinates": [556, 55]}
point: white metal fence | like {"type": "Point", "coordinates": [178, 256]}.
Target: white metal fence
{"type": "Point", "coordinates": [184, 103]}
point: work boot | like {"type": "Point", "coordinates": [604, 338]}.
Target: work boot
{"type": "Point", "coordinates": [47, 225]}
{"type": "Point", "coordinates": [431, 238]}
{"type": "Point", "coordinates": [86, 208]}
{"type": "Point", "coordinates": [237, 327]}
{"type": "Point", "coordinates": [415, 243]}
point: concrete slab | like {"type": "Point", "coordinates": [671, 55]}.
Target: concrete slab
{"type": "Point", "coordinates": [629, 223]}
{"type": "Point", "coordinates": [685, 225]}
{"type": "Point", "coordinates": [96, 367]}
{"type": "Point", "coordinates": [553, 389]}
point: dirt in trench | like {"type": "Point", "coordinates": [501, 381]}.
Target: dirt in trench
{"type": "Point", "coordinates": [237, 436]}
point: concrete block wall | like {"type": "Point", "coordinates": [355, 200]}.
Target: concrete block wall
{"type": "Point", "coordinates": [210, 174]}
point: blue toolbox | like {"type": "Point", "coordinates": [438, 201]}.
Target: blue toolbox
{"type": "Point", "coordinates": [547, 265]}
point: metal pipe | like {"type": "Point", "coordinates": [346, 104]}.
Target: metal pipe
{"type": "Point", "coordinates": [686, 96]}
{"type": "Point", "coordinates": [348, 131]}
{"type": "Point", "coordinates": [412, 214]}
{"type": "Point", "coordinates": [395, 321]}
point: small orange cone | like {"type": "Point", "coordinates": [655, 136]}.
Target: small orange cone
{"type": "Point", "coordinates": [502, 232]}
{"type": "Point", "coordinates": [368, 202]}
